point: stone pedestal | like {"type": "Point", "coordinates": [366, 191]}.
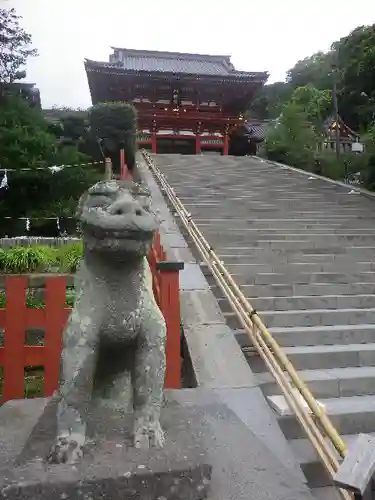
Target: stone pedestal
{"type": "Point", "coordinates": [111, 468]}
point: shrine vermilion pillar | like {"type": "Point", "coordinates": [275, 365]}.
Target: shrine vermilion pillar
{"type": "Point", "coordinates": [153, 142]}
{"type": "Point", "coordinates": [226, 145]}
{"type": "Point", "coordinates": [197, 144]}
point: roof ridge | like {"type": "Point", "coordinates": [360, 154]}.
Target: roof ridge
{"type": "Point", "coordinates": [162, 53]}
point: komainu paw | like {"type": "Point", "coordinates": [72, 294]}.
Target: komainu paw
{"type": "Point", "coordinates": [66, 450]}
{"type": "Point", "coordinates": [148, 434]}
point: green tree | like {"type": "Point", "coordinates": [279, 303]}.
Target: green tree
{"type": "Point", "coordinates": [355, 55]}
{"type": "Point", "coordinates": [115, 124]}
{"type": "Point", "coordinates": [15, 45]}
{"type": "Point", "coordinates": [25, 141]}
{"type": "Point", "coordinates": [293, 139]}
{"type": "Point", "coordinates": [268, 104]}
{"type": "Point", "coordinates": [316, 103]}
{"type": "Point", "coordinates": [74, 127]}
{"type": "Point", "coordinates": [313, 70]}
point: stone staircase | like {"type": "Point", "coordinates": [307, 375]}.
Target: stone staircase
{"type": "Point", "coordinates": [303, 252]}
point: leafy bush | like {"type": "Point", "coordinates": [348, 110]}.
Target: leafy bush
{"type": "Point", "coordinates": [40, 258]}
{"type": "Point", "coordinates": [69, 257]}
{"type": "Point", "coordinates": [20, 260]}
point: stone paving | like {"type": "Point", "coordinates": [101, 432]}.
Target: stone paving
{"type": "Point", "coordinates": [302, 251]}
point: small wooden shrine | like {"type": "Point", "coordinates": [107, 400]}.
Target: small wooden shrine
{"type": "Point", "coordinates": [346, 134]}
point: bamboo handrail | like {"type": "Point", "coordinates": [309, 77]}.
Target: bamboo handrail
{"type": "Point", "coordinates": [265, 344]}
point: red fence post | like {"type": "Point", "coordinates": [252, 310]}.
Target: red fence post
{"type": "Point", "coordinates": [55, 320]}
{"type": "Point", "coordinates": [14, 338]}
{"type": "Point", "coordinates": [170, 307]}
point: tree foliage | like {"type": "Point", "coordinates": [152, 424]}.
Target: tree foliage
{"type": "Point", "coordinates": [268, 104]}
{"type": "Point", "coordinates": [15, 45]}
{"type": "Point", "coordinates": [354, 58]}
{"type": "Point", "coordinates": [293, 139]}
{"type": "Point", "coordinates": [313, 70]}
{"type": "Point", "coordinates": [316, 103]}
{"type": "Point", "coordinates": [25, 139]}
{"type": "Point", "coordinates": [115, 124]}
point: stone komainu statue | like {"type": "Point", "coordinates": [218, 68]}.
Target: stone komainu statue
{"type": "Point", "coordinates": [114, 341]}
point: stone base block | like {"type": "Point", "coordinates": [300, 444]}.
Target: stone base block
{"type": "Point", "coordinates": [111, 468]}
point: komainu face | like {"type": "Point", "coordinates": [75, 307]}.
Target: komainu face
{"type": "Point", "coordinates": [116, 216]}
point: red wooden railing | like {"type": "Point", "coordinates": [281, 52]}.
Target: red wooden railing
{"type": "Point", "coordinates": [17, 317]}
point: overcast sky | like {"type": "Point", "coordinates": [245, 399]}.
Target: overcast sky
{"type": "Point", "coordinates": [269, 35]}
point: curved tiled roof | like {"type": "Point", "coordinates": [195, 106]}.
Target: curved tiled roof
{"type": "Point", "coordinates": [172, 62]}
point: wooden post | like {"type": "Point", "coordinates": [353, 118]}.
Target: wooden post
{"type": "Point", "coordinates": [122, 163]}
{"type": "Point", "coordinates": [107, 169]}
{"type": "Point", "coordinates": [170, 307]}
{"type": "Point", "coordinates": [153, 142]}
{"type": "Point", "coordinates": [226, 145]}
{"type": "Point", "coordinates": [14, 338]}
{"type": "Point", "coordinates": [197, 144]}
{"type": "Point", "coordinates": [55, 320]}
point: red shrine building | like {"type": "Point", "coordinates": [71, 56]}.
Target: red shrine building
{"type": "Point", "coordinates": [186, 103]}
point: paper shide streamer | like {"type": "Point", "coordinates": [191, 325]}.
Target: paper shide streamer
{"type": "Point", "coordinates": [4, 181]}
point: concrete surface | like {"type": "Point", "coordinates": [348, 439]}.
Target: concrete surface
{"type": "Point", "coordinates": [111, 468]}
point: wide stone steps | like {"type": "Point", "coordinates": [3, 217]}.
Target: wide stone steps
{"type": "Point", "coordinates": [303, 253]}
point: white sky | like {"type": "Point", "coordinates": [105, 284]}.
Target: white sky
{"type": "Point", "coordinates": [260, 35]}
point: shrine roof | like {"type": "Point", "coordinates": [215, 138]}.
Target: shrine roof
{"type": "Point", "coordinates": [330, 122]}
{"type": "Point", "coordinates": [256, 130]}
{"type": "Point", "coordinates": [172, 62]}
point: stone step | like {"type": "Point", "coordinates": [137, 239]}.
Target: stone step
{"type": "Point", "coordinates": [273, 262]}
{"type": "Point", "coordinates": [357, 252]}
{"type": "Point", "coordinates": [312, 317]}
{"type": "Point", "coordinates": [303, 302]}
{"type": "Point", "coordinates": [323, 317]}
{"type": "Point", "coordinates": [289, 241]}
{"type": "Point", "coordinates": [321, 357]}
{"type": "Point", "coordinates": [297, 232]}
{"type": "Point", "coordinates": [325, 245]}
{"type": "Point", "coordinates": [316, 335]}
{"type": "Point", "coordinates": [363, 234]}
{"type": "Point", "coordinates": [311, 465]}
{"type": "Point", "coordinates": [329, 382]}
{"type": "Point", "coordinates": [349, 415]}
{"type": "Point", "coordinates": [254, 268]}
{"type": "Point", "coordinates": [303, 278]}
{"type": "Point", "coordinates": [288, 224]}
{"type": "Point", "coordinates": [232, 256]}
{"type": "Point", "coordinates": [326, 493]}
{"type": "Point", "coordinates": [298, 289]}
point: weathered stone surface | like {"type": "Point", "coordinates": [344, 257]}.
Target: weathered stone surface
{"type": "Point", "coordinates": [111, 467]}
{"type": "Point", "coordinates": [203, 429]}
{"type": "Point", "coordinates": [114, 341]}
